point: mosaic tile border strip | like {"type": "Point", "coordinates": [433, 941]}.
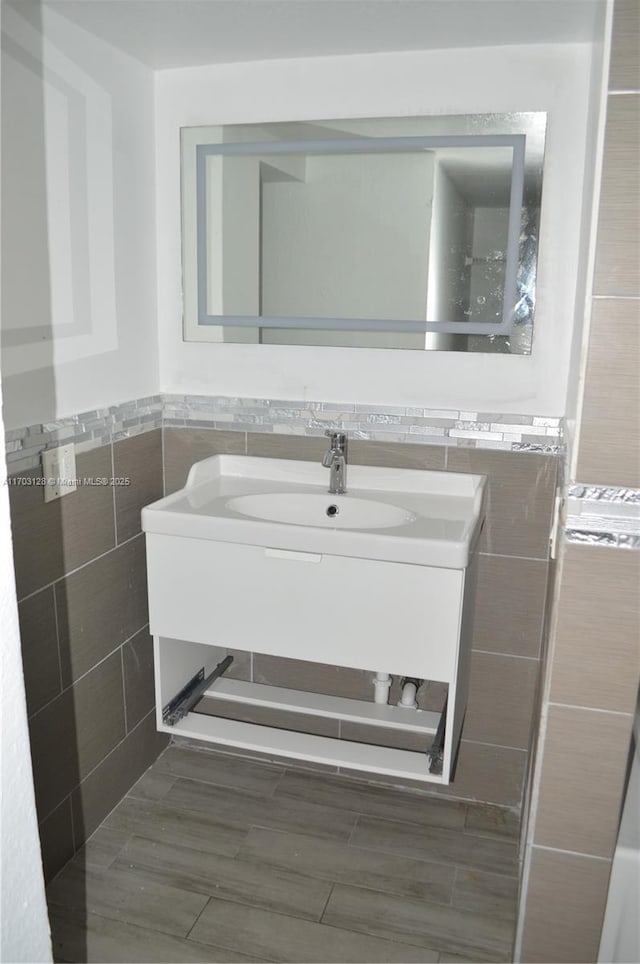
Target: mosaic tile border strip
{"type": "Point", "coordinates": [603, 516]}
{"type": "Point", "coordinates": [88, 430]}
{"type": "Point", "coordinates": [614, 540]}
{"type": "Point", "coordinates": [518, 433]}
{"type": "Point", "coordinates": [522, 433]}
{"type": "Point", "coordinates": [604, 494]}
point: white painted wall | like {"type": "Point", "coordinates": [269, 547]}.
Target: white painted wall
{"type": "Point", "coordinates": [79, 287]}
{"type": "Point", "coordinates": [554, 78]}
{"type": "Point", "coordinates": [24, 924]}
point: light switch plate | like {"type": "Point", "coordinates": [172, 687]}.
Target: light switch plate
{"type": "Point", "coordinates": [59, 469]}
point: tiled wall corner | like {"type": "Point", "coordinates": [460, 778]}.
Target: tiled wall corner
{"type": "Point", "coordinates": [87, 654]}
{"type": "Point", "coordinates": [593, 668]}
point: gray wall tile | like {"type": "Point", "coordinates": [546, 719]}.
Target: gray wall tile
{"type": "Point", "coordinates": [520, 499]}
{"type": "Point", "coordinates": [490, 774]}
{"type": "Point", "coordinates": [510, 601]}
{"type": "Point", "coordinates": [184, 446]}
{"type": "Point", "coordinates": [298, 674]}
{"type": "Point", "coordinates": [598, 629]}
{"type": "Point", "coordinates": [52, 538]}
{"type": "Point", "coordinates": [137, 664]}
{"type": "Point", "coordinates": [624, 73]}
{"type": "Point", "coordinates": [397, 455]}
{"type": "Point", "coordinates": [100, 606]}
{"type": "Point", "coordinates": [267, 445]}
{"type": "Point", "coordinates": [617, 270]}
{"type": "Point", "coordinates": [56, 839]}
{"type": "Point", "coordinates": [501, 698]}
{"type": "Point", "coordinates": [582, 780]}
{"type": "Point", "coordinates": [565, 906]}
{"type": "Point", "coordinates": [39, 639]}
{"type": "Point", "coordinates": [71, 735]}
{"type": "Point", "coordinates": [138, 459]}
{"type": "Point", "coordinates": [608, 446]}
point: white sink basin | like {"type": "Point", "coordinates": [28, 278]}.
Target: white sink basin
{"type": "Point", "coordinates": [399, 515]}
{"type": "Point", "coordinates": [330, 511]}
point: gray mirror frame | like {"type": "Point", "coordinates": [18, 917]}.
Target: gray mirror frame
{"type": "Point", "coordinates": [201, 330]}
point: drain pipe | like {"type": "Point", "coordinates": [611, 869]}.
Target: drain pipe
{"type": "Point", "coordinates": [410, 686]}
{"type": "Point", "coordinates": [382, 684]}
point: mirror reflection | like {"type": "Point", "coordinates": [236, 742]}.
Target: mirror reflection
{"type": "Point", "coordinates": [389, 233]}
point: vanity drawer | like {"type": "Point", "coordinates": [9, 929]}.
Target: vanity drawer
{"type": "Point", "coordinates": [382, 616]}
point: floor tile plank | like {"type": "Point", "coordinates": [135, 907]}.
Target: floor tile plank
{"type": "Point", "coordinates": [226, 771]}
{"type": "Point", "coordinates": [102, 847]}
{"type": "Point", "coordinates": [123, 895]}
{"type": "Point", "coordinates": [486, 821]}
{"type": "Point", "coordinates": [331, 860]}
{"type": "Point", "coordinates": [247, 882]}
{"type": "Point", "coordinates": [418, 922]}
{"type": "Point", "coordinates": [427, 843]}
{"type": "Point", "coordinates": [152, 785]}
{"type": "Point", "coordinates": [346, 794]}
{"type": "Point", "coordinates": [100, 940]}
{"type": "Point", "coordinates": [287, 939]}
{"type": "Point", "coordinates": [161, 821]}
{"type": "Point", "coordinates": [482, 893]}
{"type": "Point", "coordinates": [237, 809]}
{"type": "Point", "coordinates": [212, 857]}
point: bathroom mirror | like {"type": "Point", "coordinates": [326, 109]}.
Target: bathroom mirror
{"type": "Point", "coordinates": [407, 232]}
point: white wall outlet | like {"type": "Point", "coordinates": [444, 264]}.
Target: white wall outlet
{"type": "Point", "coordinates": [59, 472]}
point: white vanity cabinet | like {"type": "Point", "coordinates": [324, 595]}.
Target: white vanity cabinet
{"type": "Point", "coordinates": [361, 595]}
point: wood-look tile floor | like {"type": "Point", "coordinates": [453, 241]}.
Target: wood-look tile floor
{"type": "Point", "coordinates": [215, 858]}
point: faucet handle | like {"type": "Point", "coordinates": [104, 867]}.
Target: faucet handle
{"type": "Point", "coordinates": [338, 439]}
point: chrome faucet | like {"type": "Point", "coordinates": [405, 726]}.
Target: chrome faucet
{"type": "Point", "coordinates": [335, 459]}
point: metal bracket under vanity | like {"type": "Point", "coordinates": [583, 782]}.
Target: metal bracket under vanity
{"type": "Point", "coordinates": [208, 595]}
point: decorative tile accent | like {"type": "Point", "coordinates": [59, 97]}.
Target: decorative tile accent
{"type": "Point", "coordinates": [387, 423]}
{"type": "Point", "coordinates": [603, 516]}
{"type": "Point", "coordinates": [88, 430]}
{"type": "Point", "coordinates": [367, 422]}
{"type": "Point", "coordinates": [604, 493]}
{"type": "Point", "coordinates": [616, 540]}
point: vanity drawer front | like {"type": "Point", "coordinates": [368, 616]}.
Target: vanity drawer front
{"type": "Point", "coordinates": [390, 617]}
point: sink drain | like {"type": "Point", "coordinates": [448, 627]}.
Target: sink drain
{"type": "Point", "coordinates": [332, 510]}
